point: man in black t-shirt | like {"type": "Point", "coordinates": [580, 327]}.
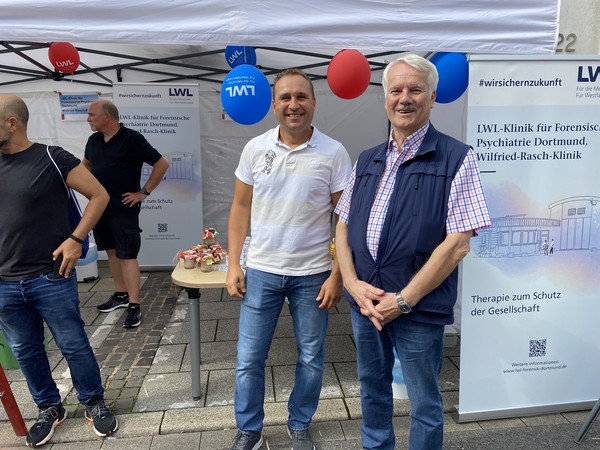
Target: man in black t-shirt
{"type": "Point", "coordinates": [115, 155]}
{"type": "Point", "coordinates": [38, 252]}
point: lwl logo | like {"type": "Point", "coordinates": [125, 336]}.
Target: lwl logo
{"type": "Point", "coordinates": [592, 74]}
{"type": "Point", "coordinates": [243, 90]}
{"type": "Point", "coordinates": [180, 92]}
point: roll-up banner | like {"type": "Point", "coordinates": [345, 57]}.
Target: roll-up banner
{"type": "Point", "coordinates": [530, 336]}
{"type": "Point", "coordinates": [168, 115]}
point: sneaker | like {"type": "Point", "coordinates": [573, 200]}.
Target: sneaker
{"type": "Point", "coordinates": [114, 302]}
{"type": "Point", "coordinates": [104, 421]}
{"type": "Point", "coordinates": [301, 439]}
{"type": "Point", "coordinates": [42, 430]}
{"type": "Point", "coordinates": [247, 441]}
{"type": "Point", "coordinates": [134, 316]}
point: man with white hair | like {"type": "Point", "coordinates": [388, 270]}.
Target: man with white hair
{"type": "Point", "coordinates": [405, 221]}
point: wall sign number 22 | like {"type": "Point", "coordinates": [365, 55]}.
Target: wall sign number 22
{"type": "Point", "coordinates": [568, 42]}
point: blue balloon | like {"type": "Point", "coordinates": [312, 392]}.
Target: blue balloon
{"type": "Point", "coordinates": [246, 94]}
{"type": "Point", "coordinates": [236, 55]}
{"type": "Point", "coordinates": [453, 70]}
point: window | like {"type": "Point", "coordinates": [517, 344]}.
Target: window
{"type": "Point", "coordinates": [516, 237]}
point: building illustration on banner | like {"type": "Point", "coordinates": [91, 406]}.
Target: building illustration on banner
{"type": "Point", "coordinates": [180, 167]}
{"type": "Point", "coordinates": [573, 225]}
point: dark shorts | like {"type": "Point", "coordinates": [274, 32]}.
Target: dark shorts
{"type": "Point", "coordinates": [119, 233]}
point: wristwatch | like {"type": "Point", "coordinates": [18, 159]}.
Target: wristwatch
{"type": "Point", "coordinates": [145, 192]}
{"type": "Point", "coordinates": [402, 305]}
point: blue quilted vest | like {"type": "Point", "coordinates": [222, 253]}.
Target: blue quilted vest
{"type": "Point", "coordinates": [415, 223]}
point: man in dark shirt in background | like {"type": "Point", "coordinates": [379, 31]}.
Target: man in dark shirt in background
{"type": "Point", "coordinates": [115, 155]}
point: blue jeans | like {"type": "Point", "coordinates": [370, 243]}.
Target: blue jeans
{"type": "Point", "coordinates": [259, 312]}
{"type": "Point", "coordinates": [420, 350]}
{"type": "Point", "coordinates": [24, 307]}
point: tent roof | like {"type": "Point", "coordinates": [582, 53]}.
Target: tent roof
{"type": "Point", "coordinates": [182, 39]}
{"type": "Point", "coordinates": [490, 26]}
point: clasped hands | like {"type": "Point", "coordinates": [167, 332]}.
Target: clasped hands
{"type": "Point", "coordinates": [379, 306]}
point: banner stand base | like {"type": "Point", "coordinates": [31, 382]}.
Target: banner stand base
{"type": "Point", "coordinates": [474, 416]}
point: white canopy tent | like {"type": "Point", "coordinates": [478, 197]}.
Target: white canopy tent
{"type": "Point", "coordinates": [149, 40]}
{"type": "Point", "coordinates": [489, 26]}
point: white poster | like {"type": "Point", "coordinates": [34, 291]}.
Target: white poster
{"type": "Point", "coordinates": [75, 106]}
{"type": "Point", "coordinates": [169, 118]}
{"type": "Point", "coordinates": [531, 284]}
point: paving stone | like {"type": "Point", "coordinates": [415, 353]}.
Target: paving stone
{"type": "Point", "coordinates": [284, 383]}
{"type": "Point", "coordinates": [89, 315]}
{"type": "Point", "coordinates": [120, 375]}
{"type": "Point", "coordinates": [130, 392]}
{"type": "Point", "coordinates": [339, 349]}
{"type": "Point", "coordinates": [501, 423]}
{"type": "Point", "coordinates": [449, 377]}
{"type": "Point", "coordinates": [24, 401]}
{"type": "Point", "coordinates": [97, 334]}
{"type": "Point", "coordinates": [134, 382]}
{"type": "Point", "coordinates": [221, 386]}
{"type": "Point", "coordinates": [89, 445]}
{"type": "Point", "coordinates": [219, 310]}
{"type": "Point", "coordinates": [168, 391]}
{"type": "Point", "coordinates": [198, 419]}
{"type": "Point", "coordinates": [339, 324]}
{"type": "Point", "coordinates": [186, 441]}
{"type": "Point", "coordinates": [17, 375]}
{"type": "Point", "coordinates": [116, 384]}
{"type": "Point", "coordinates": [214, 356]}
{"type": "Point", "coordinates": [285, 327]}
{"type": "Point", "coordinates": [122, 406]}
{"type": "Point", "coordinates": [331, 409]}
{"type": "Point", "coordinates": [111, 394]}
{"type": "Point", "coordinates": [180, 313]}
{"type": "Point", "coordinates": [179, 332]}
{"type": "Point", "coordinates": [353, 406]}
{"type": "Point", "coordinates": [221, 439]}
{"type": "Point", "coordinates": [348, 378]}
{"type": "Point", "coordinates": [213, 295]}
{"type": "Point", "coordinates": [343, 307]}
{"type": "Point", "coordinates": [451, 425]}
{"type": "Point", "coordinates": [119, 443]}
{"type": "Point", "coordinates": [227, 330]}
{"type": "Point", "coordinates": [168, 358]}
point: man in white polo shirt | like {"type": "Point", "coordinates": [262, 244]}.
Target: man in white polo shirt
{"type": "Point", "coordinates": [288, 181]}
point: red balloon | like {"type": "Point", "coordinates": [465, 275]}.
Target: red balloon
{"type": "Point", "coordinates": [64, 57]}
{"type": "Point", "coordinates": [348, 74]}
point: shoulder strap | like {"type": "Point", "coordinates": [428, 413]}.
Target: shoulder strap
{"type": "Point", "coordinates": [59, 172]}
{"type": "Point", "coordinates": [75, 211]}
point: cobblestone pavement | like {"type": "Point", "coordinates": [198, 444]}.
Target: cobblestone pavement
{"type": "Point", "coordinates": [126, 355]}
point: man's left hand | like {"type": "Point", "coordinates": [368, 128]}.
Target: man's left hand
{"type": "Point", "coordinates": [133, 198]}
{"type": "Point", "coordinates": [388, 307]}
{"type": "Point", "coordinates": [71, 252]}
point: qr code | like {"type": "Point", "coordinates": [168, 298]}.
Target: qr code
{"type": "Point", "coordinates": [537, 347]}
{"type": "Point", "coordinates": [162, 228]}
